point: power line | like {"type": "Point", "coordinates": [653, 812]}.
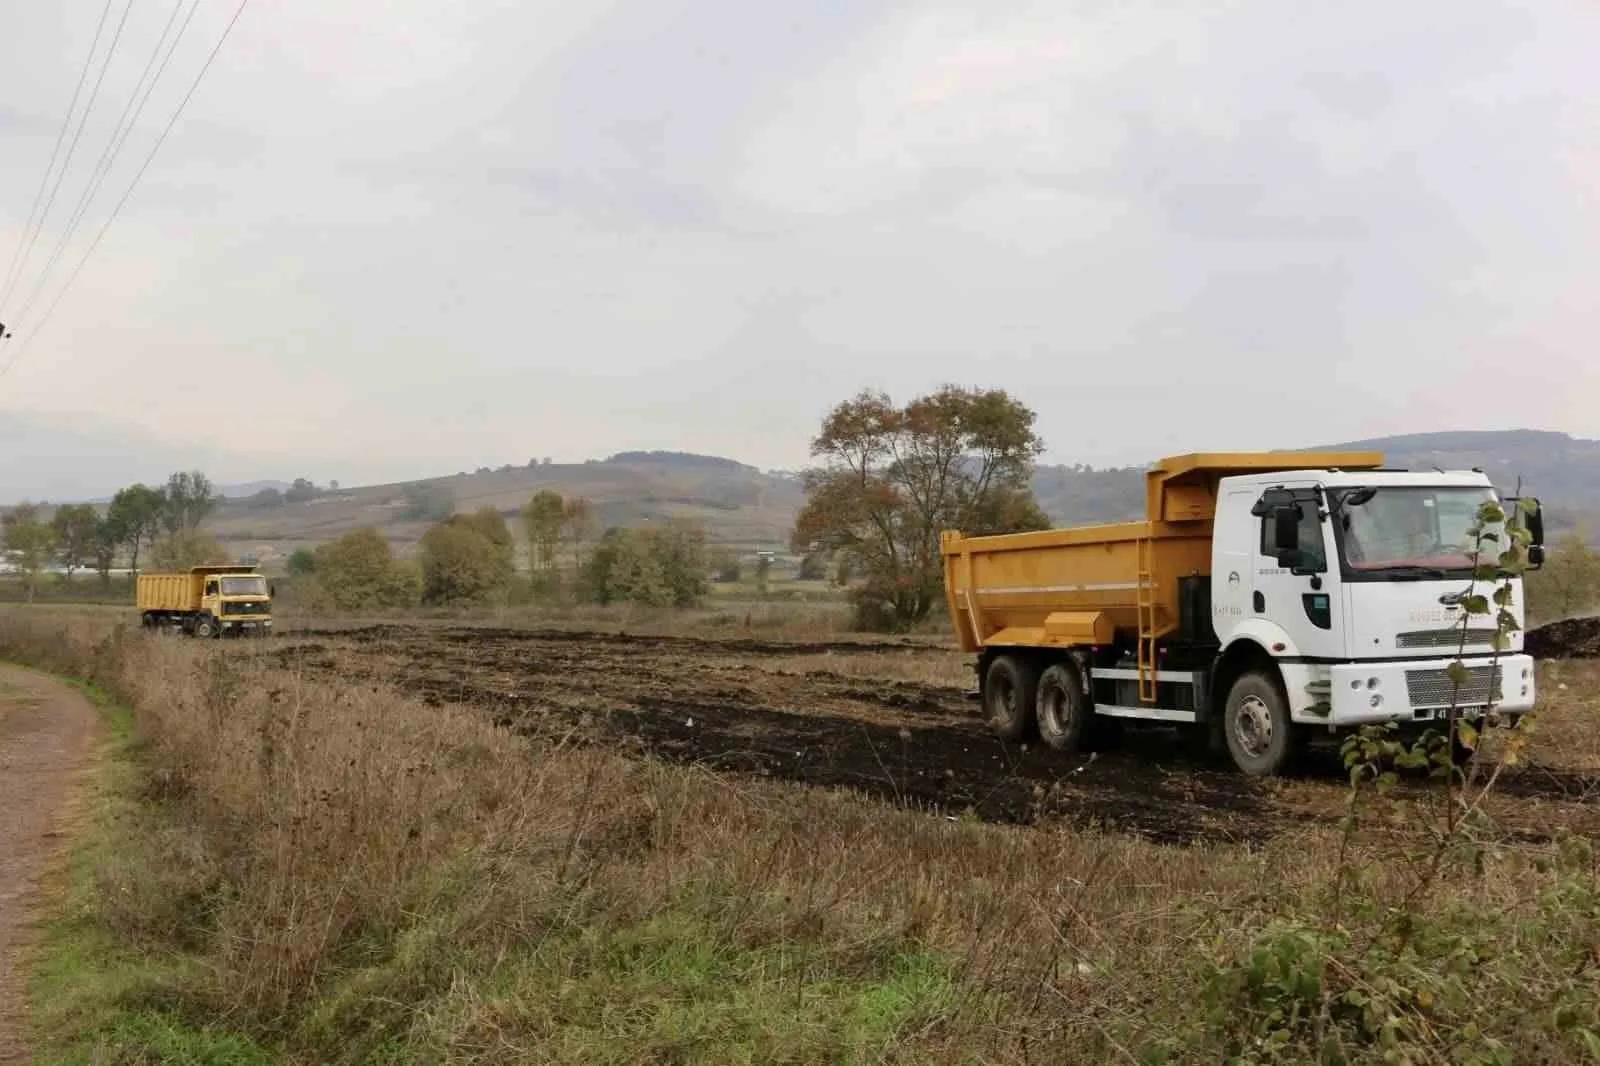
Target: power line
{"type": "Point", "coordinates": [117, 210]}
{"type": "Point", "coordinates": [119, 136]}
{"type": "Point", "coordinates": [61, 135]}
{"type": "Point", "coordinates": [83, 120]}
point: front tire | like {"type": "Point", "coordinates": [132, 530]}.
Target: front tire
{"type": "Point", "coordinates": [205, 629]}
{"type": "Point", "coordinates": [1256, 725]}
{"type": "Point", "coordinates": [1063, 712]}
{"type": "Point", "coordinates": [1010, 690]}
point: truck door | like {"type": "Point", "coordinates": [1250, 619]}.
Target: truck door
{"type": "Point", "coordinates": [1300, 598]}
{"type": "Point", "coordinates": [1233, 562]}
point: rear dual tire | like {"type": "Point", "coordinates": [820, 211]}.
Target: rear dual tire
{"type": "Point", "coordinates": [1021, 704]}
{"type": "Point", "coordinates": [1064, 716]}
{"type": "Point", "coordinates": [1010, 691]}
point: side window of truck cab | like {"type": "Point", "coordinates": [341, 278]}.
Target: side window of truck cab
{"type": "Point", "coordinates": [1313, 549]}
{"type": "Point", "coordinates": [211, 587]}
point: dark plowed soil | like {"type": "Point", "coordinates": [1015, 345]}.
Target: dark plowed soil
{"type": "Point", "coordinates": [743, 707]}
{"type": "Point", "coordinates": [1571, 638]}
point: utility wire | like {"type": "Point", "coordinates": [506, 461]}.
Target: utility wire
{"type": "Point", "coordinates": [119, 136]}
{"type": "Point", "coordinates": [117, 210]}
{"type": "Point", "coordinates": [61, 135]}
{"type": "Point", "coordinates": [83, 120]}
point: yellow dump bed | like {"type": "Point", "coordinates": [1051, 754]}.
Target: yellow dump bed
{"type": "Point", "coordinates": [181, 592]}
{"type": "Point", "coordinates": [1091, 585]}
{"type": "Point", "coordinates": [170, 592]}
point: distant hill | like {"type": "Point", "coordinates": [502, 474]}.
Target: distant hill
{"type": "Point", "coordinates": [746, 508]}
{"type": "Point", "coordinates": [739, 505]}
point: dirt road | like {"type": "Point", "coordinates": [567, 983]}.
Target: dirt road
{"type": "Point", "coordinates": [47, 732]}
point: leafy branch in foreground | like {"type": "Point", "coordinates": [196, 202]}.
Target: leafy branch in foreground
{"type": "Point", "coordinates": [1403, 966]}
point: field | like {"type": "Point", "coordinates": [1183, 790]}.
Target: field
{"type": "Point", "coordinates": [888, 719]}
{"type": "Point", "coordinates": [651, 841]}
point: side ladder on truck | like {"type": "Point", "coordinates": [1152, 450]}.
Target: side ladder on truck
{"type": "Point", "coordinates": [1147, 622]}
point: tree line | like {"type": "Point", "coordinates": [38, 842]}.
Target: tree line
{"type": "Point", "coordinates": [160, 524]}
{"type": "Point", "coordinates": [470, 559]}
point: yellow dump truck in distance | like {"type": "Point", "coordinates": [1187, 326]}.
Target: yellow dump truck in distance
{"type": "Point", "coordinates": [1263, 596]}
{"type": "Point", "coordinates": [207, 601]}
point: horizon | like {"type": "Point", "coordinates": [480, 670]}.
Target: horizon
{"type": "Point", "coordinates": [234, 487]}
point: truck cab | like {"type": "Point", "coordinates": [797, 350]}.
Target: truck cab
{"type": "Point", "coordinates": [1352, 582]}
{"type": "Point", "coordinates": [237, 603]}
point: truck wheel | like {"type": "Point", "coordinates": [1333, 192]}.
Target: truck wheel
{"type": "Point", "coordinates": [1009, 693]}
{"type": "Point", "coordinates": [1063, 710]}
{"type": "Point", "coordinates": [205, 628]}
{"type": "Point", "coordinates": [1256, 725]}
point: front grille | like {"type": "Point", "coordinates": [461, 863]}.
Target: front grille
{"type": "Point", "coordinates": [246, 608]}
{"type": "Point", "coordinates": [1442, 638]}
{"type": "Point", "coordinates": [1434, 688]}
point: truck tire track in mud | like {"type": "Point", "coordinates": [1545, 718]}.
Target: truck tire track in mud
{"type": "Point", "coordinates": [745, 707]}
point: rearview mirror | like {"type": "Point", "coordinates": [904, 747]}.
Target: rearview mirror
{"type": "Point", "coordinates": [1536, 523]}
{"type": "Point", "coordinates": [1535, 556]}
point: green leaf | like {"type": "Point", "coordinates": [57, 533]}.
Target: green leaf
{"type": "Point", "coordinates": [1475, 604]}
{"type": "Point", "coordinates": [1467, 733]}
{"type": "Point", "coordinates": [1457, 672]}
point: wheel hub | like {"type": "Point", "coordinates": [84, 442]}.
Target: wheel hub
{"type": "Point", "coordinates": [1252, 726]}
{"type": "Point", "coordinates": [1055, 707]}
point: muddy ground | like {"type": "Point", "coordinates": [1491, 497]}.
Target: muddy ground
{"type": "Point", "coordinates": [889, 719]}
{"type": "Point", "coordinates": [1571, 638]}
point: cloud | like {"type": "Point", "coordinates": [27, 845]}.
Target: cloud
{"type": "Point", "coordinates": [445, 236]}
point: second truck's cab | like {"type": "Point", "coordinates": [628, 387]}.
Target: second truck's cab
{"type": "Point", "coordinates": [238, 603]}
{"type": "Point", "coordinates": [1352, 582]}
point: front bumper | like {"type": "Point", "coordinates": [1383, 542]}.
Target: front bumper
{"type": "Point", "coordinates": [1417, 690]}
{"type": "Point", "coordinates": [247, 626]}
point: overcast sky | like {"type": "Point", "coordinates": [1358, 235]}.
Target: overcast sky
{"type": "Point", "coordinates": [404, 238]}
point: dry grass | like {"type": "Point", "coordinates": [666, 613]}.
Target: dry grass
{"type": "Point", "coordinates": [359, 877]}
{"type": "Point", "coordinates": [1569, 697]}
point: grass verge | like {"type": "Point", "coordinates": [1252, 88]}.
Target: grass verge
{"type": "Point", "coordinates": [98, 994]}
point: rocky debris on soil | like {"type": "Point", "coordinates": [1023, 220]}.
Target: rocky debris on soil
{"type": "Point", "coordinates": [1570, 638]}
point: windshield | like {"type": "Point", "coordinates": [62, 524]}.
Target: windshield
{"type": "Point", "coordinates": [1392, 530]}
{"type": "Point", "coordinates": [244, 586]}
